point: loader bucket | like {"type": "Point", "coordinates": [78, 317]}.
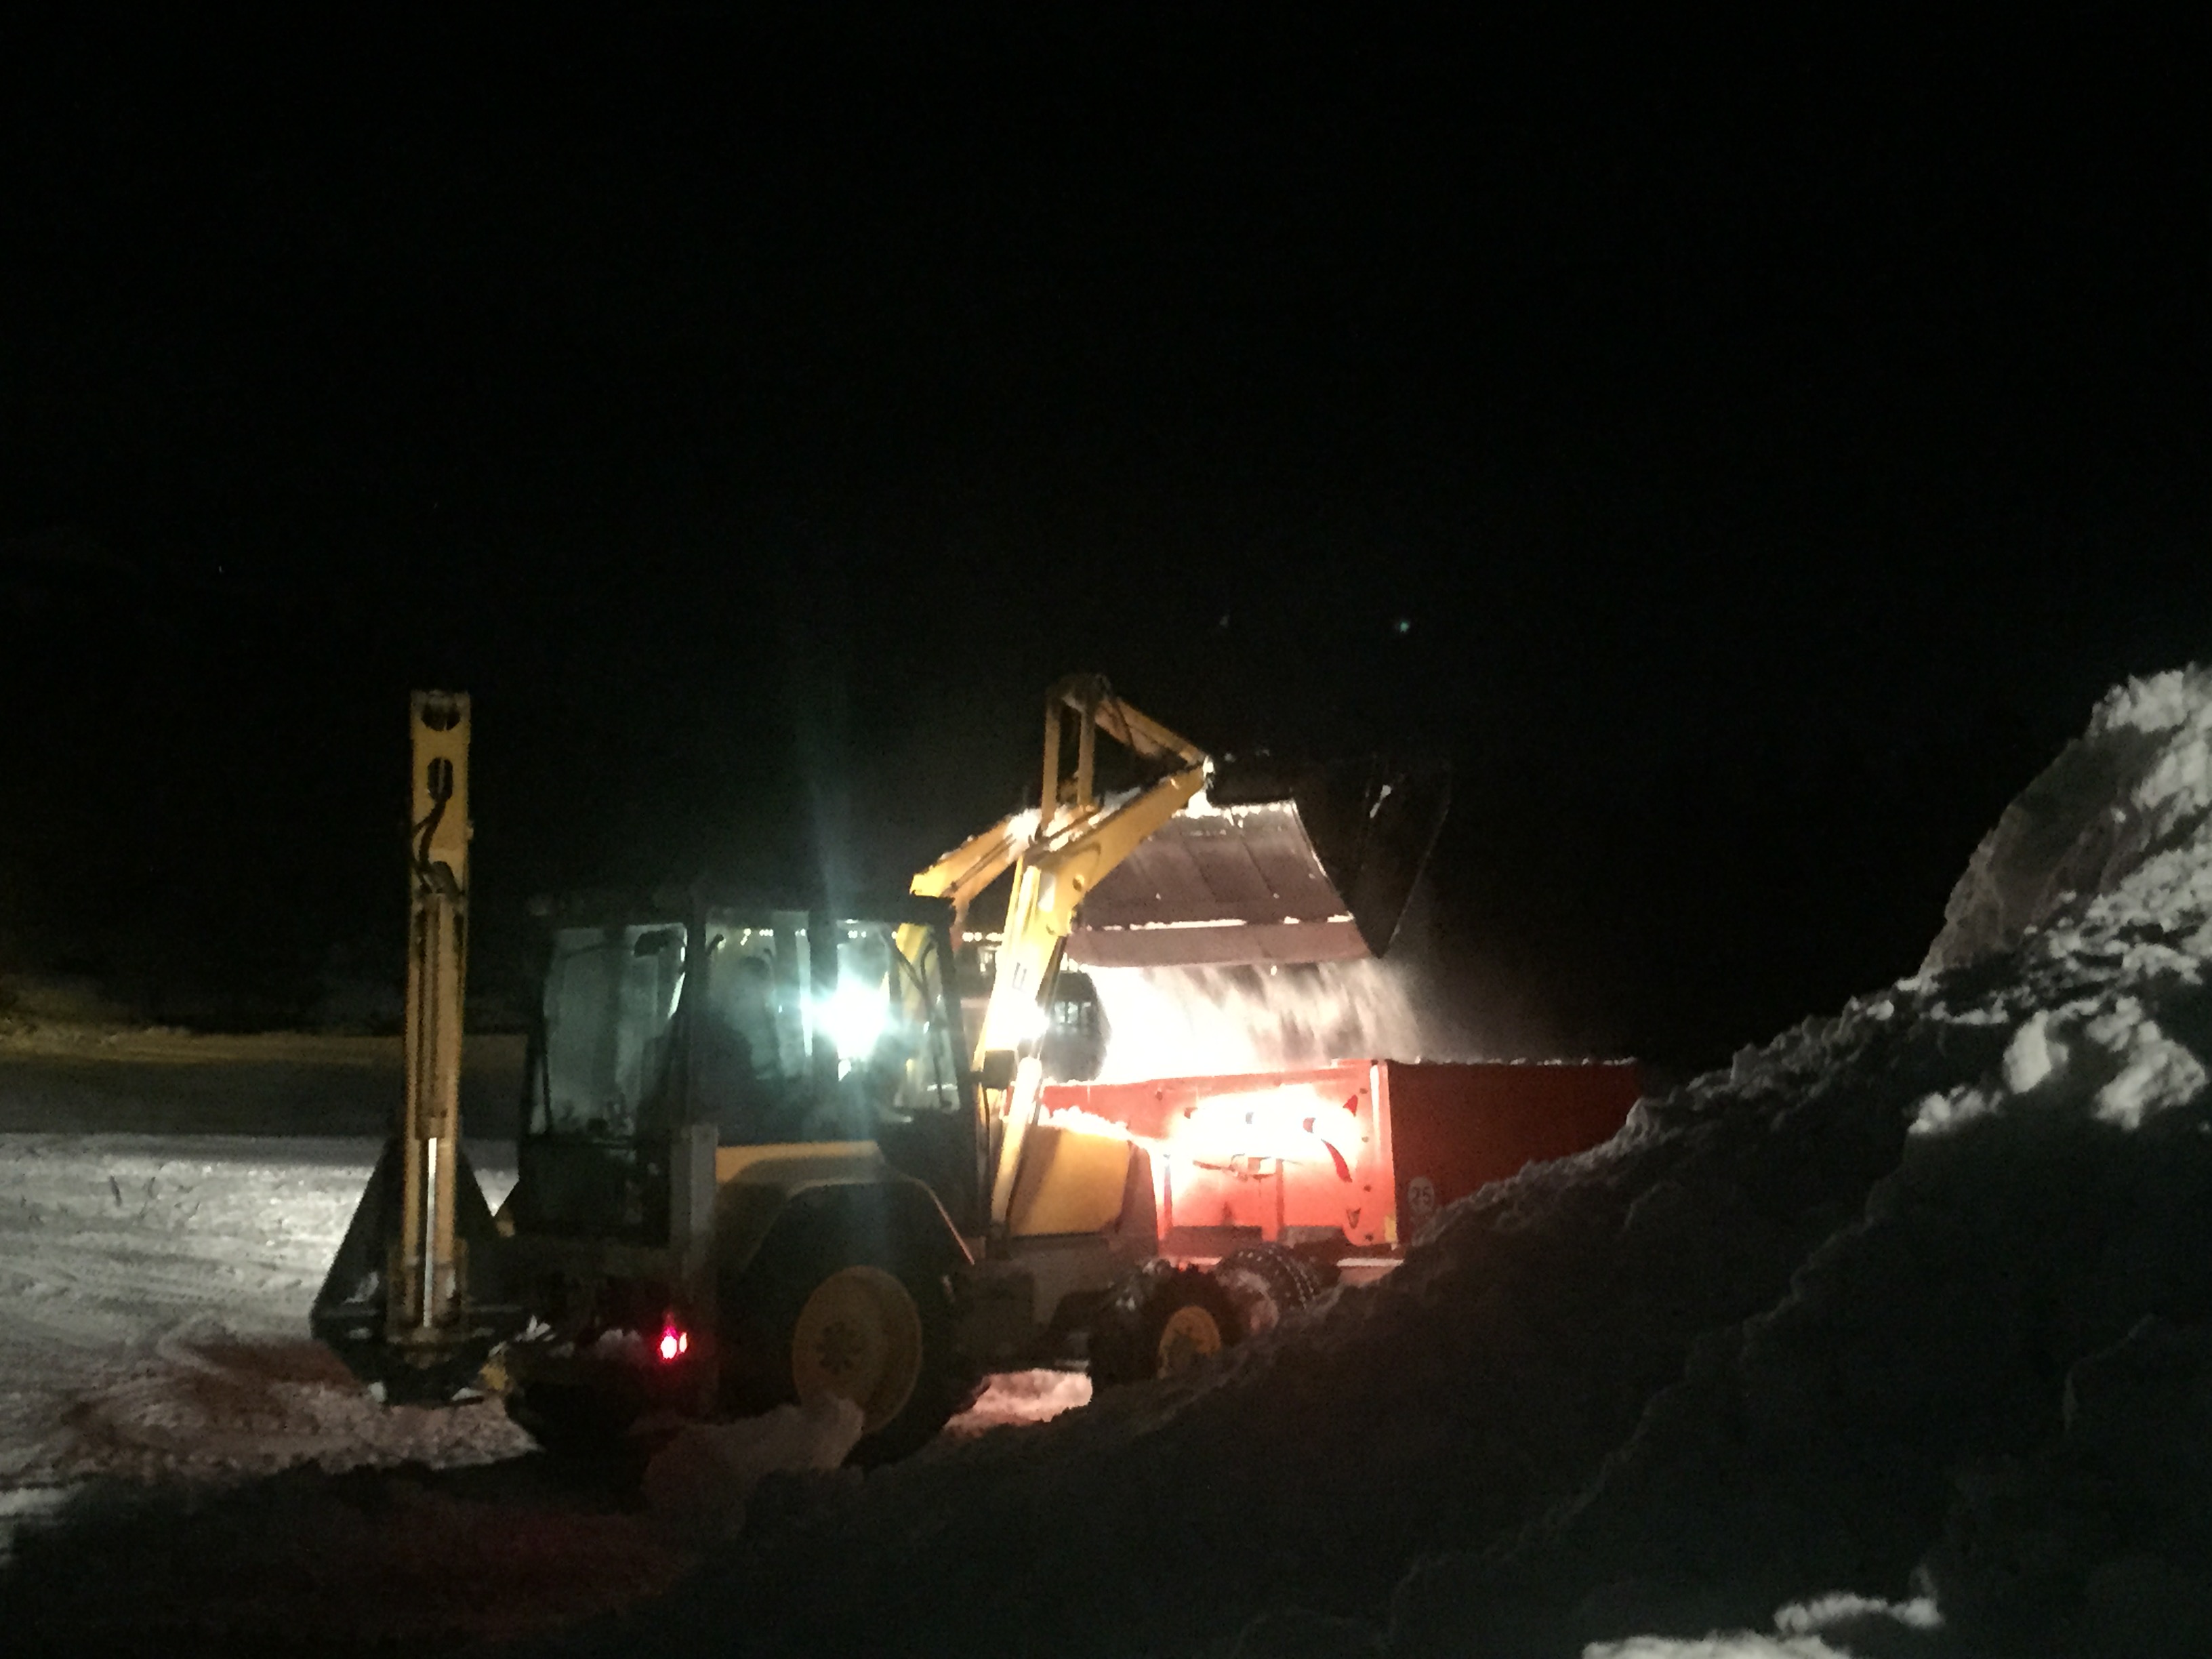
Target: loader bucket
{"type": "Point", "coordinates": [1272, 864]}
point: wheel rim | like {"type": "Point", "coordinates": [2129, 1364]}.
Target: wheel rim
{"type": "Point", "coordinates": [1190, 1335]}
{"type": "Point", "coordinates": [858, 1337]}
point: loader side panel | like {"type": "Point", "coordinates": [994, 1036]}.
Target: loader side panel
{"type": "Point", "coordinates": [1070, 1181]}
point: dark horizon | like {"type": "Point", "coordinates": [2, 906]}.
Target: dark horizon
{"type": "Point", "coordinates": [1747, 458]}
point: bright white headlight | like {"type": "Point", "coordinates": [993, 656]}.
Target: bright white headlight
{"type": "Point", "coordinates": [855, 1017]}
{"type": "Point", "coordinates": [1025, 1022]}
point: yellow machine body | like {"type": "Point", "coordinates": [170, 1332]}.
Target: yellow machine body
{"type": "Point", "coordinates": [654, 1246]}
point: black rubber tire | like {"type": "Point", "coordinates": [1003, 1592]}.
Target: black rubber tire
{"type": "Point", "coordinates": [1125, 1332]}
{"type": "Point", "coordinates": [1268, 1284]}
{"type": "Point", "coordinates": [760, 1313]}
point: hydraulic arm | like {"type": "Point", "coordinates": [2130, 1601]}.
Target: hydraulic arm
{"type": "Point", "coordinates": [413, 1299]}
{"type": "Point", "coordinates": [1080, 839]}
{"type": "Point", "coordinates": [1058, 851]}
{"type": "Point", "coordinates": [423, 1292]}
{"type": "Point", "coordinates": [1061, 848]}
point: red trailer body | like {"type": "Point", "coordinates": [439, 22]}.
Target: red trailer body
{"type": "Point", "coordinates": [1368, 1149]}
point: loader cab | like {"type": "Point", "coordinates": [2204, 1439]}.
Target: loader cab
{"type": "Point", "coordinates": [775, 1025]}
{"type": "Point", "coordinates": [1072, 1048]}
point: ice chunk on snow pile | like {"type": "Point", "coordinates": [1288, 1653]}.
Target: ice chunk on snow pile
{"type": "Point", "coordinates": [1743, 1644]}
{"type": "Point", "coordinates": [1830, 1612]}
{"type": "Point", "coordinates": [2107, 1052]}
{"type": "Point", "coordinates": [1844, 1318]}
{"type": "Point", "coordinates": [1015, 1397]}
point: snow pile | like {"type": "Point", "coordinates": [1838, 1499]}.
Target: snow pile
{"type": "Point", "coordinates": [2112, 832]}
{"type": "Point", "coordinates": [199, 1401]}
{"type": "Point", "coordinates": [368, 1562]}
{"type": "Point", "coordinates": [699, 1481]}
{"type": "Point", "coordinates": [1902, 1324]}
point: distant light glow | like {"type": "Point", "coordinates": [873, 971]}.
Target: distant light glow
{"type": "Point", "coordinates": [675, 1343]}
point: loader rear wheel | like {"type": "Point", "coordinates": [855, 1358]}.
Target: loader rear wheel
{"type": "Point", "coordinates": [819, 1315]}
{"type": "Point", "coordinates": [859, 1335]}
{"type": "Point", "coordinates": [1161, 1321]}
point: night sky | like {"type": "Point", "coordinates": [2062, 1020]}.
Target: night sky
{"type": "Point", "coordinates": [1745, 455]}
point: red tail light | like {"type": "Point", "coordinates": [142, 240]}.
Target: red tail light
{"type": "Point", "coordinates": [675, 1343]}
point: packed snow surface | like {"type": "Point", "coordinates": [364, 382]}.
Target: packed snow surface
{"type": "Point", "coordinates": [153, 1295]}
{"type": "Point", "coordinates": [1898, 1325]}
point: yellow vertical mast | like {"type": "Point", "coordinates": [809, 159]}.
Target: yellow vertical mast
{"type": "Point", "coordinates": [423, 1286]}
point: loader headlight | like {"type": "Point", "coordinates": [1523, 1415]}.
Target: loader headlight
{"type": "Point", "coordinates": [855, 1017]}
{"type": "Point", "coordinates": [1026, 1022]}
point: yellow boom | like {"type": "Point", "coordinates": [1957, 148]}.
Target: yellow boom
{"type": "Point", "coordinates": [1059, 852]}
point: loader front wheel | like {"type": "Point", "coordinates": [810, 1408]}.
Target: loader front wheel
{"type": "Point", "coordinates": [1161, 1321]}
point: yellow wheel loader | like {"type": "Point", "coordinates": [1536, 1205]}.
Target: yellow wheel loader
{"type": "Point", "coordinates": [763, 1159]}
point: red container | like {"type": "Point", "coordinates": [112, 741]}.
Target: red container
{"type": "Point", "coordinates": [1368, 1149]}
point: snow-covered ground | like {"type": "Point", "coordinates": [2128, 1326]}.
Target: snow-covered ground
{"type": "Point", "coordinates": [160, 1401]}
{"type": "Point", "coordinates": [153, 1296]}
{"type": "Point", "coordinates": [156, 1265]}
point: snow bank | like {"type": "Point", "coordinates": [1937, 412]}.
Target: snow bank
{"type": "Point", "coordinates": [699, 1481]}
{"type": "Point", "coordinates": [1899, 1324]}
